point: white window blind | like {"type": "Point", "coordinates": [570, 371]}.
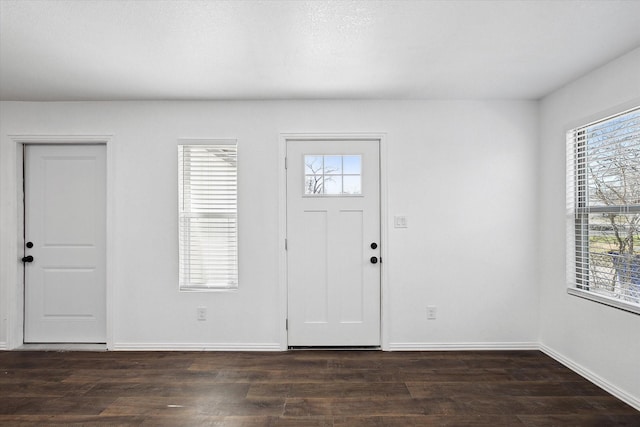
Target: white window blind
{"type": "Point", "coordinates": [208, 216]}
{"type": "Point", "coordinates": [603, 210]}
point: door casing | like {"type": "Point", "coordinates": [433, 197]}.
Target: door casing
{"type": "Point", "coordinates": [14, 244]}
{"type": "Point", "coordinates": [379, 138]}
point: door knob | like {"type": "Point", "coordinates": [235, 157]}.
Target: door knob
{"type": "Point", "coordinates": [27, 258]}
{"type": "Point", "coordinates": [374, 260]}
{"type": "Point", "coordinates": [374, 245]}
{"type": "Point", "coordinates": [29, 245]}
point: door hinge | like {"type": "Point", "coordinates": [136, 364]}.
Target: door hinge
{"type": "Point", "coordinates": [285, 162]}
{"type": "Point", "coordinates": [285, 244]}
{"type": "Point", "coordinates": [286, 324]}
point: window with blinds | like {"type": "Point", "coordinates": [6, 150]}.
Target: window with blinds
{"type": "Point", "coordinates": [208, 216]}
{"type": "Point", "coordinates": [603, 210]}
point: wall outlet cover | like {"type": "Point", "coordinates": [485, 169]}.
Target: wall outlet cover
{"type": "Point", "coordinates": [432, 311]}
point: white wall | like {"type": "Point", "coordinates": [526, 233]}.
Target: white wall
{"type": "Point", "coordinates": [600, 341]}
{"type": "Point", "coordinates": [463, 172]}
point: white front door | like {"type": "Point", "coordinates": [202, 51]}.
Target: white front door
{"type": "Point", "coordinates": [333, 238]}
{"type": "Point", "coordinates": [65, 232]}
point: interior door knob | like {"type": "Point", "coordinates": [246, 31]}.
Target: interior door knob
{"type": "Point", "coordinates": [374, 260]}
{"type": "Point", "coordinates": [374, 245]}
{"type": "Point", "coordinates": [27, 258]}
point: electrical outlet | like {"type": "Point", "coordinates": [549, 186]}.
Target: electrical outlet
{"type": "Point", "coordinates": [202, 313]}
{"type": "Point", "coordinates": [431, 312]}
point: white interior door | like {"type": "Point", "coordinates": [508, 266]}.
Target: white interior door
{"type": "Point", "coordinates": [65, 232]}
{"type": "Point", "coordinates": [333, 238]}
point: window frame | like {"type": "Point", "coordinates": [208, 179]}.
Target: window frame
{"type": "Point", "coordinates": [579, 209]}
{"type": "Point", "coordinates": [185, 272]}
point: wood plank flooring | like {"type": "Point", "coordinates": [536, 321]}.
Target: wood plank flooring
{"type": "Point", "coordinates": [300, 388]}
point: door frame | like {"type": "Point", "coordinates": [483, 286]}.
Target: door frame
{"type": "Point", "coordinates": [380, 138]}
{"type": "Point", "coordinates": [14, 244]}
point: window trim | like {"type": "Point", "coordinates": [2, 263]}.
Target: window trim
{"type": "Point", "coordinates": [577, 211]}
{"type": "Point", "coordinates": [601, 299]}
{"type": "Point", "coordinates": [186, 287]}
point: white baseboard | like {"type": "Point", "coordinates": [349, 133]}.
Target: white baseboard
{"type": "Point", "coordinates": [423, 346]}
{"type": "Point", "coordinates": [196, 347]}
{"type": "Point", "coordinates": [3, 345]}
{"type": "Point", "coordinates": [597, 380]}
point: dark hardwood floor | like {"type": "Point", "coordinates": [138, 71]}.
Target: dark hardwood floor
{"type": "Point", "coordinates": [300, 388]}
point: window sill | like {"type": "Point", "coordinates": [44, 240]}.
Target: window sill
{"type": "Point", "coordinates": [632, 308]}
{"type": "Point", "coordinates": [203, 289]}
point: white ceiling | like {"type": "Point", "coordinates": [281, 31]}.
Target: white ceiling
{"type": "Point", "coordinates": [120, 50]}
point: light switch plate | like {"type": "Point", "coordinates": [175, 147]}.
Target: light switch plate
{"type": "Point", "coordinates": [400, 221]}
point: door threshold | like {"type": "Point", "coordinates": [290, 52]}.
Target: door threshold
{"type": "Point", "coordinates": [347, 347]}
{"type": "Point", "coordinates": [62, 347]}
